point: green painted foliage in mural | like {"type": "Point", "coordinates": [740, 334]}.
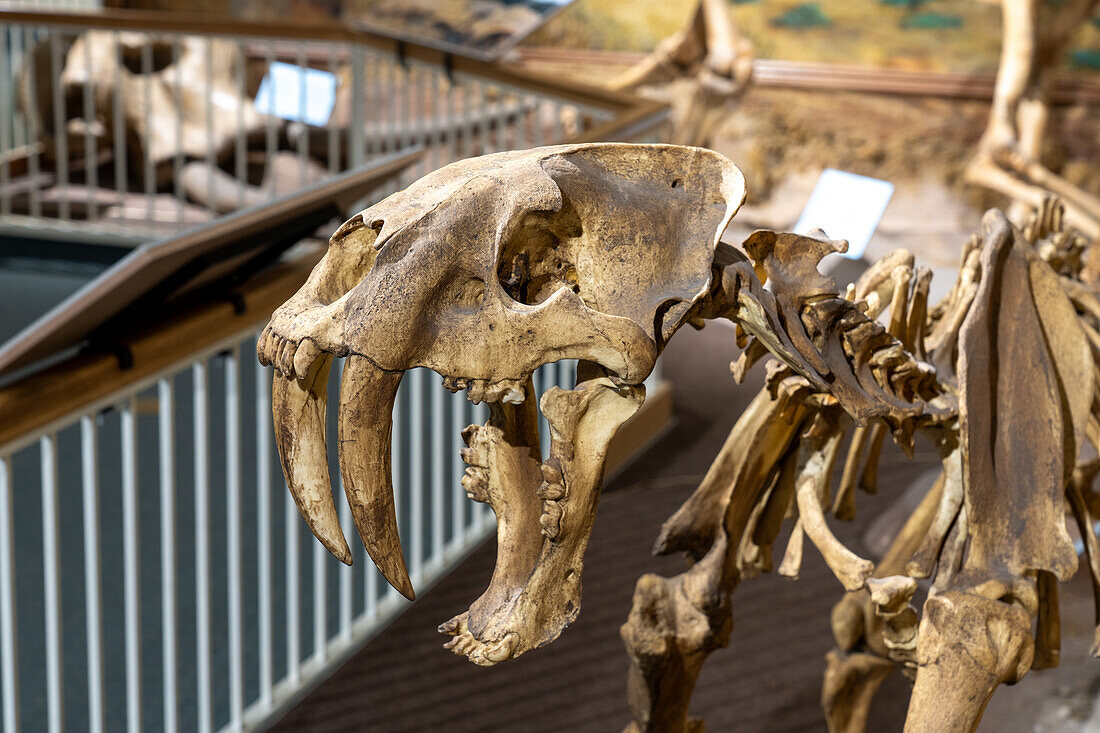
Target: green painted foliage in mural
{"type": "Point", "coordinates": [806, 15]}
{"type": "Point", "coordinates": [1085, 58]}
{"type": "Point", "coordinates": [931, 21]}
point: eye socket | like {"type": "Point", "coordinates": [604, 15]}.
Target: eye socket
{"type": "Point", "coordinates": [536, 263]}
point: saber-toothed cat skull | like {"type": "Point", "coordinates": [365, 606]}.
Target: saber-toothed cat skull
{"type": "Point", "coordinates": [483, 271]}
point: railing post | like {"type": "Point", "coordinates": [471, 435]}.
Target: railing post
{"type": "Point", "coordinates": [28, 41]}
{"type": "Point", "coordinates": [358, 128]}
{"type": "Point", "coordinates": [51, 580]}
{"type": "Point", "coordinates": [61, 139]}
{"type": "Point", "coordinates": [131, 564]}
{"type": "Point", "coordinates": [347, 526]}
{"type": "Point", "coordinates": [167, 445]}
{"type": "Point", "coordinates": [293, 597]}
{"type": "Point", "coordinates": [263, 529]}
{"type": "Point", "coordinates": [118, 120]}
{"type": "Point", "coordinates": [92, 604]}
{"type": "Point", "coordinates": [7, 119]}
{"type": "Point", "coordinates": [9, 654]}
{"type": "Point", "coordinates": [458, 470]}
{"type": "Point", "coordinates": [202, 544]}
{"type": "Point", "coordinates": [233, 535]}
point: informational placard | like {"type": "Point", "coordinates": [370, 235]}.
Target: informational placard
{"type": "Point", "coordinates": [846, 206]}
{"type": "Point", "coordinates": [296, 93]}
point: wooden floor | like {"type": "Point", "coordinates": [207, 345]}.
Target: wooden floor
{"type": "Point", "coordinates": [768, 680]}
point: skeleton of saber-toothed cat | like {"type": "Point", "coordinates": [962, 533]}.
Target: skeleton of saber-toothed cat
{"type": "Point", "coordinates": [1015, 344]}
{"type": "Point", "coordinates": [490, 267]}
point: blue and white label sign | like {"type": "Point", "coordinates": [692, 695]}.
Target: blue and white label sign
{"type": "Point", "coordinates": [296, 93]}
{"type": "Point", "coordinates": [846, 206]}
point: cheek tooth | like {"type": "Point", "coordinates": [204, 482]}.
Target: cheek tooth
{"type": "Point", "coordinates": [551, 491]}
{"type": "Point", "coordinates": [514, 396]}
{"type": "Point", "coordinates": [476, 391]}
{"type": "Point", "coordinates": [494, 391]}
{"type": "Point", "coordinates": [551, 472]}
{"type": "Point", "coordinates": [503, 649]}
{"type": "Point", "coordinates": [550, 521]}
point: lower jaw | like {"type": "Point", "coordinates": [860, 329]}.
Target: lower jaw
{"type": "Point", "coordinates": [536, 587]}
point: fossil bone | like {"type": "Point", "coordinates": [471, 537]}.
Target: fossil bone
{"type": "Point", "coordinates": [1035, 37]}
{"type": "Point", "coordinates": [699, 70]}
{"type": "Point", "coordinates": [165, 108]}
{"type": "Point", "coordinates": [482, 271]}
{"type": "Point", "coordinates": [513, 619]}
{"type": "Point", "coordinates": [1018, 314]}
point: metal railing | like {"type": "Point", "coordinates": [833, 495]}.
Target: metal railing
{"type": "Point", "coordinates": [150, 550]}
{"type": "Point", "coordinates": [131, 125]}
{"type": "Point", "coordinates": [154, 572]}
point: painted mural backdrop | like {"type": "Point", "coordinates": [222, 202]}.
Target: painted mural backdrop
{"type": "Point", "coordinates": [934, 35]}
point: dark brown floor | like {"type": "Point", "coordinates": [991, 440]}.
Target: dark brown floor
{"type": "Point", "coordinates": [767, 681]}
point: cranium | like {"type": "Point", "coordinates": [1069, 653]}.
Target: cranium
{"type": "Point", "coordinates": [488, 268]}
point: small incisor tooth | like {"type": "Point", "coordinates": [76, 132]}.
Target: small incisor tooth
{"type": "Point", "coordinates": [262, 346]}
{"type": "Point", "coordinates": [475, 482]}
{"type": "Point", "coordinates": [286, 358]}
{"type": "Point", "coordinates": [454, 626]}
{"type": "Point", "coordinates": [454, 384]}
{"type": "Point", "coordinates": [304, 357]}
